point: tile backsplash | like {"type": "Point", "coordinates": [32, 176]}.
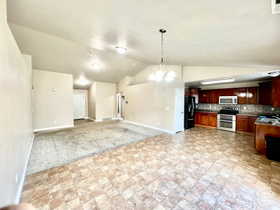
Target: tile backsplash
{"type": "Point", "coordinates": [244, 108]}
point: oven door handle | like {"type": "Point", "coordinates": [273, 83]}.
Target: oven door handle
{"type": "Point", "coordinates": [226, 121]}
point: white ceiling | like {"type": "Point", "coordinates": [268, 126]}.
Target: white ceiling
{"type": "Point", "coordinates": [56, 54]}
{"type": "Point", "coordinates": [214, 33]}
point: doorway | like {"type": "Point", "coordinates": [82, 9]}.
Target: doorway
{"type": "Point", "coordinates": [80, 104]}
{"type": "Point", "coordinates": [120, 107]}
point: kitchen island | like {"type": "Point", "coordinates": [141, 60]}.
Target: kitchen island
{"type": "Point", "coordinates": [265, 127]}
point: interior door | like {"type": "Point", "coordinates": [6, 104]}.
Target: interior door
{"type": "Point", "coordinates": [79, 106]}
{"type": "Point", "coordinates": [179, 109]}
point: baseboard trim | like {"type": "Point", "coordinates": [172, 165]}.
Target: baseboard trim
{"type": "Point", "coordinates": [53, 128]}
{"type": "Point", "coordinates": [21, 183]}
{"type": "Point", "coordinates": [148, 126]}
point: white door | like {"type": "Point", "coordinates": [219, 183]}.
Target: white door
{"type": "Point", "coordinates": [79, 106]}
{"type": "Point", "coordinates": [179, 109]}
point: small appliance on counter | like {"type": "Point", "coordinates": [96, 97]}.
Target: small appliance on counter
{"type": "Point", "coordinates": [227, 119]}
{"type": "Point", "coordinates": [189, 112]}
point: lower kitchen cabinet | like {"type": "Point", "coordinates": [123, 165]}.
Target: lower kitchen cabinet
{"type": "Point", "coordinates": [245, 123]}
{"type": "Point", "coordinates": [206, 119]}
{"type": "Point", "coordinates": [212, 119]}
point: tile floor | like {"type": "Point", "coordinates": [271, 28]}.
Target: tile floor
{"type": "Point", "coordinates": [87, 138]}
{"type": "Point", "coordinates": [199, 169]}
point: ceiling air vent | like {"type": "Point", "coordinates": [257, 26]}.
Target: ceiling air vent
{"type": "Point", "coordinates": [275, 6]}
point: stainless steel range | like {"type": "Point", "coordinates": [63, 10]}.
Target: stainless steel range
{"type": "Point", "coordinates": [227, 119]}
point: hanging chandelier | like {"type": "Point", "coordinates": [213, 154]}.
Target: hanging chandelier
{"type": "Point", "coordinates": [162, 74]}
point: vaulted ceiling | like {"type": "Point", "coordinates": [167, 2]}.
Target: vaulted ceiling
{"type": "Point", "coordinates": [66, 35]}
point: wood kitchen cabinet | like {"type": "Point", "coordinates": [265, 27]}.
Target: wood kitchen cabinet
{"type": "Point", "coordinates": [212, 119]}
{"type": "Point", "coordinates": [206, 119]}
{"type": "Point", "coordinates": [251, 124]}
{"type": "Point", "coordinates": [263, 130]}
{"type": "Point", "coordinates": [252, 95]}
{"type": "Point", "coordinates": [242, 123]}
{"type": "Point", "coordinates": [265, 93]}
{"type": "Point", "coordinates": [227, 92]}
{"type": "Point", "coordinates": [241, 93]}
{"type": "Point", "coordinates": [214, 96]}
{"type": "Point", "coordinates": [204, 96]}
{"type": "Point", "coordinates": [245, 95]}
{"type": "Point", "coordinates": [276, 92]}
{"type": "Point", "coordinates": [245, 123]}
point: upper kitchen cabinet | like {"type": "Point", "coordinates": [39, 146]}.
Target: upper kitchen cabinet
{"type": "Point", "coordinates": [209, 96]}
{"type": "Point", "coordinates": [226, 92]}
{"type": "Point", "coordinates": [265, 93]}
{"type": "Point", "coordinates": [276, 92]}
{"type": "Point", "coordinates": [204, 96]}
{"type": "Point", "coordinates": [245, 95]}
{"type": "Point", "coordinates": [252, 95]}
{"type": "Point", "coordinates": [242, 95]}
{"type": "Point", "coordinates": [214, 96]}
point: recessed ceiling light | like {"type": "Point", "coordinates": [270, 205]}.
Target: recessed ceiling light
{"type": "Point", "coordinates": [121, 50]}
{"type": "Point", "coordinates": [217, 81]}
{"type": "Point", "coordinates": [274, 73]}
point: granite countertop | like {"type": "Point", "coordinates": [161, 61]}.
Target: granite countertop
{"type": "Point", "coordinates": [267, 121]}
{"type": "Point", "coordinates": [205, 110]}
{"type": "Point", "coordinates": [255, 114]}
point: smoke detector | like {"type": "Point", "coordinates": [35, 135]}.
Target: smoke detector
{"type": "Point", "coordinates": [275, 6]}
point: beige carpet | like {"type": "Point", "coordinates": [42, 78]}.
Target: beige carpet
{"type": "Point", "coordinates": [87, 138]}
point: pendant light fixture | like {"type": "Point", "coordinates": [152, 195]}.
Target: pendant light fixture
{"type": "Point", "coordinates": [162, 74]}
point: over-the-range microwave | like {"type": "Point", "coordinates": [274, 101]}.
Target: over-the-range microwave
{"type": "Point", "coordinates": [228, 100]}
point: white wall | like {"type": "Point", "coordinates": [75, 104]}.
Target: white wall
{"type": "Point", "coordinates": [92, 101]}
{"type": "Point", "coordinates": [126, 81]}
{"type": "Point", "coordinates": [52, 100]}
{"type": "Point", "coordinates": [15, 121]}
{"type": "Point", "coordinates": [102, 98]}
{"type": "Point", "coordinates": [151, 103]}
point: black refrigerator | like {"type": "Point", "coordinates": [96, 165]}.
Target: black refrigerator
{"type": "Point", "coordinates": [189, 112]}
